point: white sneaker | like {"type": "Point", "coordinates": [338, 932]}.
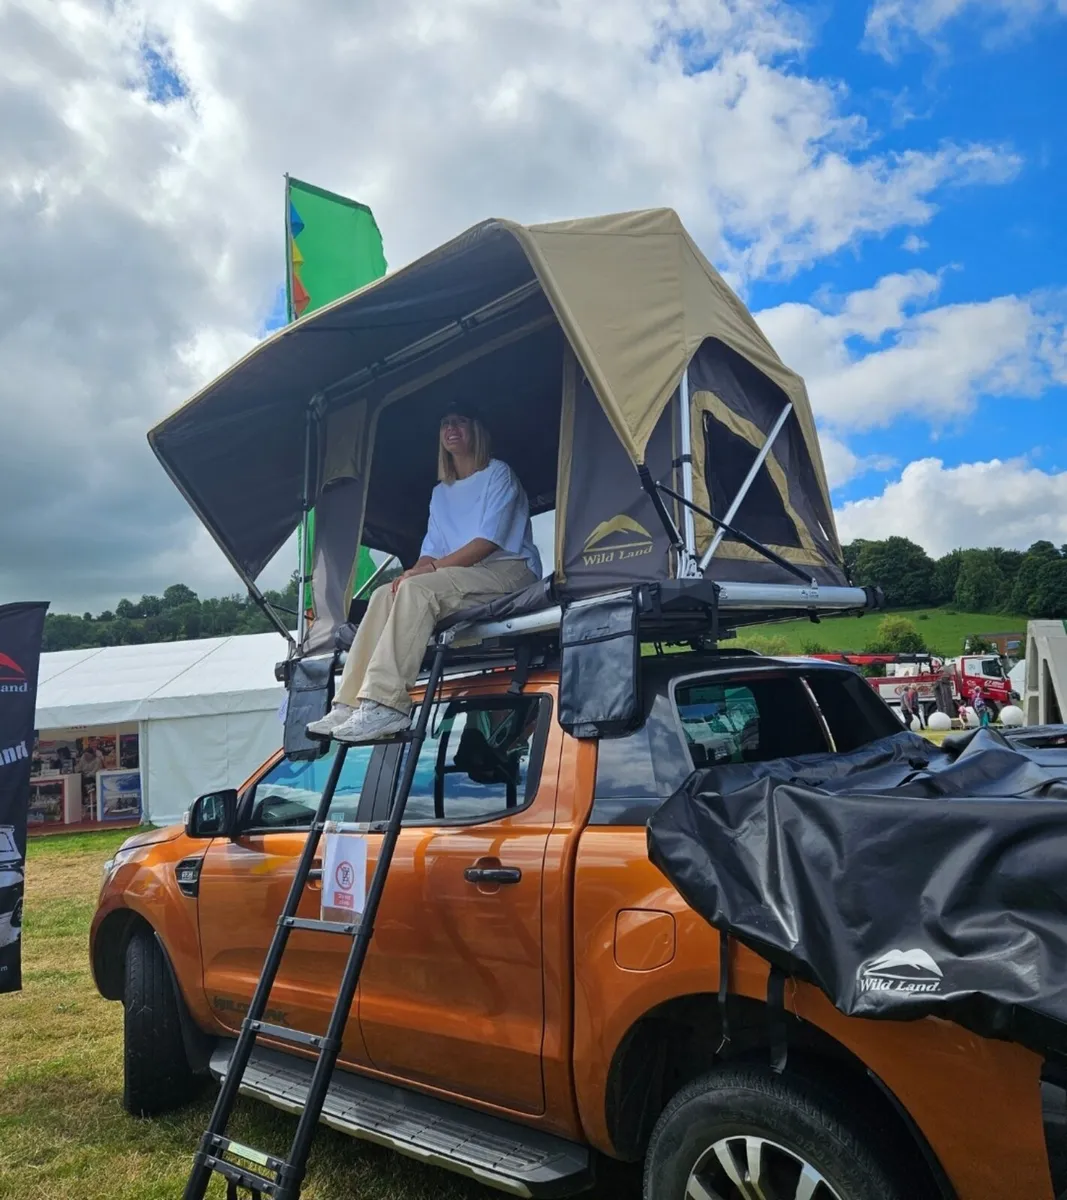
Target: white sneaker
{"type": "Point", "coordinates": [372, 722]}
{"type": "Point", "coordinates": [325, 726]}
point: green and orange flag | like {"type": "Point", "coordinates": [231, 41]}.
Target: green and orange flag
{"type": "Point", "coordinates": [333, 247]}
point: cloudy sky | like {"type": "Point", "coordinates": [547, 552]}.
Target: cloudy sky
{"type": "Point", "coordinates": [883, 181]}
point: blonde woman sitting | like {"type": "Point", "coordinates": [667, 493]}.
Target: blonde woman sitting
{"type": "Point", "coordinates": [478, 545]}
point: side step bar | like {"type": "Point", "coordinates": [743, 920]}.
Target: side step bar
{"type": "Point", "coordinates": [492, 1151]}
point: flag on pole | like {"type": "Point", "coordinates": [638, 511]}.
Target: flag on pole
{"type": "Point", "coordinates": [333, 247]}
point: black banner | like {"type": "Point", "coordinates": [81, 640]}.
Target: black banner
{"type": "Point", "coordinates": [21, 630]}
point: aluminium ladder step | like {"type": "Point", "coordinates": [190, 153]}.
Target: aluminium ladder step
{"type": "Point", "coordinates": [502, 1155]}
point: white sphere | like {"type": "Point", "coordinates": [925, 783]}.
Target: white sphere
{"type": "Point", "coordinates": [939, 722]}
{"type": "Point", "coordinates": [1011, 715]}
{"type": "Point", "coordinates": [970, 717]}
{"type": "Point", "coordinates": [915, 726]}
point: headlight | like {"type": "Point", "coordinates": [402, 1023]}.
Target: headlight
{"type": "Point", "coordinates": [120, 856]}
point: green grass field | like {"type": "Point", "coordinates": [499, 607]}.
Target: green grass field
{"type": "Point", "coordinates": [943, 630]}
{"type": "Point", "coordinates": [63, 1133]}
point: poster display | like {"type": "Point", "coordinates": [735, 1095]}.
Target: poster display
{"type": "Point", "coordinates": [118, 795]}
{"type": "Point", "coordinates": [21, 630]}
{"type": "Point", "coordinates": [85, 756]}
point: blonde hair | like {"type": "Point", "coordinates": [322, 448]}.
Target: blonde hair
{"type": "Point", "coordinates": [481, 449]}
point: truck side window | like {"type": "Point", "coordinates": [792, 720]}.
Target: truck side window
{"type": "Point", "coordinates": [854, 714]}
{"type": "Point", "coordinates": [637, 772]}
{"type": "Point", "coordinates": [481, 759]}
{"type": "Point", "coordinates": [287, 796]}
{"type": "Point", "coordinates": [753, 720]}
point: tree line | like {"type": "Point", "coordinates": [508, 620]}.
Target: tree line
{"type": "Point", "coordinates": [176, 616]}
{"type": "Point", "coordinates": [1027, 583]}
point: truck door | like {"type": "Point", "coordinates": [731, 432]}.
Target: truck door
{"type": "Point", "coordinates": [452, 989]}
{"type": "Point", "coordinates": [243, 886]}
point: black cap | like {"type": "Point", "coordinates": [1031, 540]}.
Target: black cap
{"type": "Point", "coordinates": [460, 407]}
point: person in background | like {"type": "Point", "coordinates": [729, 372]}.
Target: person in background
{"type": "Point", "coordinates": [89, 762]}
{"type": "Point", "coordinates": [478, 544]}
{"type": "Point", "coordinates": [907, 700]}
{"type": "Point", "coordinates": [981, 709]}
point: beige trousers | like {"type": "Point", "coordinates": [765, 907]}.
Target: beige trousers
{"type": "Point", "coordinates": [390, 644]}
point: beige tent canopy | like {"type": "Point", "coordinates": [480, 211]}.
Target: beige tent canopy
{"type": "Point", "coordinates": [594, 347]}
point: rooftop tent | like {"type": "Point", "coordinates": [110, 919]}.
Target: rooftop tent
{"type": "Point", "coordinates": [594, 346]}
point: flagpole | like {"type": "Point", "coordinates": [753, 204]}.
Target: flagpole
{"type": "Point", "coordinates": [288, 253]}
{"type": "Point", "coordinates": [302, 529]}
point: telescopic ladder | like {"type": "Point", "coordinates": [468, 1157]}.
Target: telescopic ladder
{"type": "Point", "coordinates": [267, 1175]}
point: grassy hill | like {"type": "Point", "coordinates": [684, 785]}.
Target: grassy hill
{"type": "Point", "coordinates": [943, 629]}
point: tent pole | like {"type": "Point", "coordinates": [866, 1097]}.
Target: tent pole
{"type": "Point", "coordinates": [743, 491]}
{"type": "Point", "coordinates": [685, 419]}
{"type": "Point", "coordinates": [305, 519]}
{"type": "Point", "coordinates": [368, 584]}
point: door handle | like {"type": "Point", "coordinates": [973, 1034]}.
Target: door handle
{"type": "Point", "coordinates": [495, 875]}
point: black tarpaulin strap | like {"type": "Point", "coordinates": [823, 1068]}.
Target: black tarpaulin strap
{"type": "Point", "coordinates": [724, 989]}
{"type": "Point", "coordinates": [523, 659]}
{"type": "Point", "coordinates": [779, 1042]}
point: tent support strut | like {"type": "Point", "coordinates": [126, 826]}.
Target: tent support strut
{"type": "Point", "coordinates": [305, 518]}
{"type": "Point", "coordinates": [686, 441]}
{"type": "Point", "coordinates": [752, 544]}
{"type": "Point", "coordinates": [743, 491]}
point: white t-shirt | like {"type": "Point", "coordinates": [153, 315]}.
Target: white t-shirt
{"type": "Point", "coordinates": [489, 504]}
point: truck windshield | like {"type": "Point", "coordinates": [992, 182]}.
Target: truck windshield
{"type": "Point", "coordinates": [991, 668]}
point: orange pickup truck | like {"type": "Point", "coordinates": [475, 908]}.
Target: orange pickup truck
{"type": "Point", "coordinates": [537, 997]}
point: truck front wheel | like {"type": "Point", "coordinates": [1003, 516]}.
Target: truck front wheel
{"type": "Point", "coordinates": [157, 1074]}
{"type": "Point", "coordinates": [740, 1132]}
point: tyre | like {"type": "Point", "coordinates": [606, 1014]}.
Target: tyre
{"type": "Point", "coordinates": [156, 1076]}
{"type": "Point", "coordinates": [744, 1132]}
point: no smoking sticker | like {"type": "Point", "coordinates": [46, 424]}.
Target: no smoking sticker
{"type": "Point", "coordinates": [344, 876]}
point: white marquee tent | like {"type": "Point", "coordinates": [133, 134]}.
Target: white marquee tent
{"type": "Point", "coordinates": [206, 712]}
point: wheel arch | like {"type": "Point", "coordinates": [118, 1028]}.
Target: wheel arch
{"type": "Point", "coordinates": [109, 970]}
{"type": "Point", "coordinates": [109, 950]}
{"type": "Point", "coordinates": [682, 1039]}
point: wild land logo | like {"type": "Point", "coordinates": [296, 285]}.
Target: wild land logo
{"type": "Point", "coordinates": [12, 676]}
{"type": "Point", "coordinates": [912, 971]}
{"type": "Point", "coordinates": [616, 540]}
{"type": "Point", "coordinates": [13, 754]}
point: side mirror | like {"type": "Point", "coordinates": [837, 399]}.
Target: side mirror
{"type": "Point", "coordinates": [213, 815]}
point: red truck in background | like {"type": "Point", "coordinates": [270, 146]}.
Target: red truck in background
{"type": "Point", "coordinates": [924, 671]}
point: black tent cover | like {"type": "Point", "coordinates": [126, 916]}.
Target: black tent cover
{"type": "Point", "coordinates": [903, 879]}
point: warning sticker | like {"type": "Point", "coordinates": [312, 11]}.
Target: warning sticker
{"type": "Point", "coordinates": [344, 876]}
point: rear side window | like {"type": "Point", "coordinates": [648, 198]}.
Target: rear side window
{"type": "Point", "coordinates": [751, 721]}
{"type": "Point", "coordinates": [854, 714]}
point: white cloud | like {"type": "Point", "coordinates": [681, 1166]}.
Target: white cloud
{"type": "Point", "coordinates": [995, 503]}
{"type": "Point", "coordinates": [881, 354]}
{"type": "Point", "coordinates": [894, 24]}
{"type": "Point", "coordinates": [141, 219]}
{"type": "Point", "coordinates": [914, 244]}
{"type": "Point", "coordinates": [843, 464]}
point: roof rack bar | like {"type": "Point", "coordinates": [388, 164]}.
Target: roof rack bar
{"type": "Point", "coordinates": [767, 553]}
{"type": "Point", "coordinates": [732, 597]}
{"type": "Point", "coordinates": [743, 490]}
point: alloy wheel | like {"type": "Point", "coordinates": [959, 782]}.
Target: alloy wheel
{"type": "Point", "coordinates": [755, 1168]}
